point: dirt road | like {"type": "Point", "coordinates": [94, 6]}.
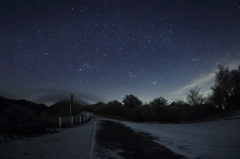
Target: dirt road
{"type": "Point", "coordinates": [70, 143]}
{"type": "Point", "coordinates": [115, 140]}
{"type": "Point", "coordinates": [96, 139]}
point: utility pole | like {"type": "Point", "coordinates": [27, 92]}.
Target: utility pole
{"type": "Point", "coordinates": [71, 104]}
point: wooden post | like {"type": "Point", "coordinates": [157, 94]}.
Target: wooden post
{"type": "Point", "coordinates": [71, 120]}
{"type": "Point", "coordinates": [71, 103]}
{"type": "Point", "coordinates": [60, 122]}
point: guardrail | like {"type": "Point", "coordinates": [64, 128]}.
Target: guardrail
{"type": "Point", "coordinates": [72, 120]}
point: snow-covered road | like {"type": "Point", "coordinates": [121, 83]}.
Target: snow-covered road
{"type": "Point", "coordinates": [73, 143]}
{"type": "Point", "coordinates": [216, 139]}
{"type": "Point", "coordinates": [209, 140]}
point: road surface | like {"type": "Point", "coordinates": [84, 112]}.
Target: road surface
{"type": "Point", "coordinates": [70, 143]}
{"type": "Point", "coordinates": [96, 139]}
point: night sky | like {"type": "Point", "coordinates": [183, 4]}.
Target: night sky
{"type": "Point", "coordinates": [102, 50]}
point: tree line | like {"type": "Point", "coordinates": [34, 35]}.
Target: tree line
{"type": "Point", "coordinates": [225, 97]}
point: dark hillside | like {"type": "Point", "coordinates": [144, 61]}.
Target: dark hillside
{"type": "Point", "coordinates": [22, 116]}
{"type": "Point", "coordinates": [62, 108]}
{"type": "Point", "coordinates": [94, 107]}
{"type": "Point", "coordinates": [6, 103]}
{"type": "Point", "coordinates": [14, 113]}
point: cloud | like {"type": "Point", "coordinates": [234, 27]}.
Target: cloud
{"type": "Point", "coordinates": [50, 96]}
{"type": "Point", "coordinates": [205, 81]}
{"type": "Point", "coordinates": [233, 64]}
{"type": "Point", "coordinates": [201, 81]}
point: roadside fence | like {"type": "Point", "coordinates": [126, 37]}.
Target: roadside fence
{"type": "Point", "coordinates": [73, 120]}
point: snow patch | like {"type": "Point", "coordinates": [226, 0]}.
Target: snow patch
{"type": "Point", "coordinates": [218, 139]}
{"type": "Point", "coordinates": [76, 142]}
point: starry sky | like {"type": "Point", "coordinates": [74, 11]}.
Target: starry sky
{"type": "Point", "coordinates": [102, 50]}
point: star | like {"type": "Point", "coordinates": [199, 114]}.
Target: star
{"type": "Point", "coordinates": [114, 45]}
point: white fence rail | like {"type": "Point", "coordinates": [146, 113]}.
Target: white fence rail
{"type": "Point", "coordinates": [74, 120]}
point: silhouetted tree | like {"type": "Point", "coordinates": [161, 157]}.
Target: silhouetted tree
{"type": "Point", "coordinates": [157, 108]}
{"type": "Point", "coordinates": [115, 108]}
{"type": "Point", "coordinates": [159, 102]}
{"type": "Point", "coordinates": [177, 112]}
{"type": "Point", "coordinates": [209, 99]}
{"type": "Point", "coordinates": [131, 101]}
{"type": "Point", "coordinates": [145, 113]}
{"type": "Point", "coordinates": [179, 101]}
{"type": "Point", "coordinates": [195, 97]}
{"type": "Point", "coordinates": [235, 94]}
{"type": "Point", "coordinates": [223, 88]}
